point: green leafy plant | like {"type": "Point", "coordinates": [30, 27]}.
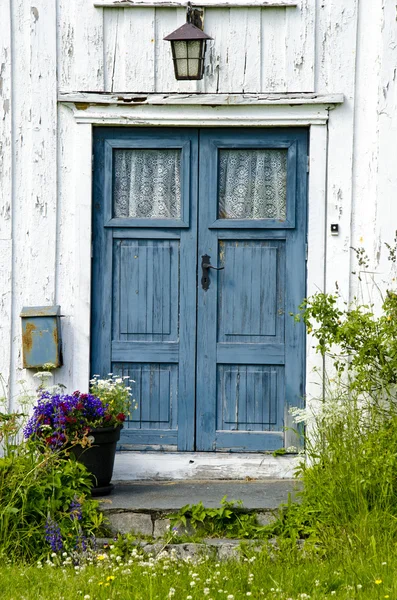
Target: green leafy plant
{"type": "Point", "coordinates": [350, 473]}
{"type": "Point", "coordinates": [229, 520]}
{"type": "Point", "coordinates": [361, 342]}
{"type": "Point", "coordinates": [45, 502]}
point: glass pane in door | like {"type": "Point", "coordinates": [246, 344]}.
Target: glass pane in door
{"type": "Point", "coordinates": [147, 183]}
{"type": "Point", "coordinates": [252, 184]}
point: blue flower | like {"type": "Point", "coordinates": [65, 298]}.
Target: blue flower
{"type": "Point", "coordinates": [75, 510]}
{"type": "Point", "coordinates": [53, 535]}
{"type": "Point", "coordinates": [57, 417]}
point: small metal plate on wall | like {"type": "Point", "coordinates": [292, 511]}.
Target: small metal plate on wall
{"type": "Point", "coordinates": [41, 336]}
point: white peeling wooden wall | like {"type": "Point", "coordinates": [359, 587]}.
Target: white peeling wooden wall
{"type": "Point", "coordinates": [122, 49]}
{"type": "Point", "coordinates": [46, 46]}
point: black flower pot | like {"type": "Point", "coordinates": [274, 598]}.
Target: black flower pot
{"type": "Point", "coordinates": [99, 457]}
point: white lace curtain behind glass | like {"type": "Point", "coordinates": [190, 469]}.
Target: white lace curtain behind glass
{"type": "Point", "coordinates": [253, 184]}
{"type": "Point", "coordinates": [147, 183]}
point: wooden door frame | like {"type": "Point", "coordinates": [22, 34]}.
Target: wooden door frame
{"type": "Point", "coordinates": [233, 111]}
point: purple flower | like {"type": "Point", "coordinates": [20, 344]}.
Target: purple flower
{"type": "Point", "coordinates": [81, 542]}
{"type": "Point", "coordinates": [53, 535]}
{"type": "Point", "coordinates": [56, 417]}
{"type": "Point", "coordinates": [75, 510]}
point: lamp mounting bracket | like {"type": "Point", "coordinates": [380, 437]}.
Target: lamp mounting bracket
{"type": "Point", "coordinates": [195, 16]}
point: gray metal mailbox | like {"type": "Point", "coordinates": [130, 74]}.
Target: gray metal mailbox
{"type": "Point", "coordinates": [41, 336]}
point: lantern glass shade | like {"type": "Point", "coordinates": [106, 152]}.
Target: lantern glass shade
{"type": "Point", "coordinates": [188, 58]}
{"type": "Point", "coordinates": [188, 51]}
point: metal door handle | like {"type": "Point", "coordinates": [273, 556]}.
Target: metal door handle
{"type": "Point", "coordinates": [205, 266]}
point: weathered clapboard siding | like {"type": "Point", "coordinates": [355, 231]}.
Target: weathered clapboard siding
{"type": "Point", "coordinates": [337, 26]}
{"type": "Point", "coordinates": [366, 132]}
{"type": "Point", "coordinates": [34, 177]}
{"type": "Point", "coordinates": [385, 199]}
{"type": "Point", "coordinates": [324, 46]}
{"type": "Point", "coordinates": [66, 251]}
{"type": "Point", "coordinates": [6, 189]}
{"type": "Point", "coordinates": [5, 123]}
{"type": "Point", "coordinates": [122, 49]}
{"type": "Point", "coordinates": [375, 174]}
{"type": "Point", "coordinates": [80, 45]}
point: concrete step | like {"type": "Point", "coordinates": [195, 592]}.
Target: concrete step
{"type": "Point", "coordinates": [142, 507]}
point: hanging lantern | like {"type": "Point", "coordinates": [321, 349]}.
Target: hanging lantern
{"type": "Point", "coordinates": [188, 50]}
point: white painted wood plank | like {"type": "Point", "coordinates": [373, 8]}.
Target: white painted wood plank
{"type": "Point", "coordinates": [166, 21]}
{"type": "Point", "coordinates": [366, 150]}
{"type": "Point", "coordinates": [335, 62]}
{"type": "Point", "coordinates": [168, 466]}
{"type": "Point", "coordinates": [113, 55]}
{"type": "Point", "coordinates": [35, 193]}
{"type": "Point", "coordinates": [85, 99]}
{"type": "Point", "coordinates": [6, 190]}
{"type": "Point", "coordinates": [317, 205]}
{"type": "Point", "coordinates": [384, 169]}
{"type": "Point", "coordinates": [202, 3]}
{"type": "Point", "coordinates": [5, 123]}
{"type": "Point", "coordinates": [240, 70]}
{"type": "Point", "coordinates": [80, 57]}
{"type": "Point", "coordinates": [216, 23]}
{"type": "Point", "coordinates": [185, 115]}
{"type": "Point", "coordinates": [274, 50]}
{"type": "Point", "coordinates": [66, 276]}
{"type": "Point", "coordinates": [139, 50]}
{"type": "Point", "coordinates": [82, 256]}
{"type": "Point", "coordinates": [252, 49]}
{"type": "Point", "coordinates": [5, 314]}
{"type": "Point", "coordinates": [300, 47]}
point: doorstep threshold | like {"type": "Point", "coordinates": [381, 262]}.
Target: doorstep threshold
{"type": "Point", "coordinates": [171, 466]}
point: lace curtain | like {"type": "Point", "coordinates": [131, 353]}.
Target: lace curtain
{"type": "Point", "coordinates": [147, 183]}
{"type": "Point", "coordinates": [252, 184]}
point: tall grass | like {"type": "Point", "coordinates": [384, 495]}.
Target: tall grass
{"type": "Point", "coordinates": [349, 475]}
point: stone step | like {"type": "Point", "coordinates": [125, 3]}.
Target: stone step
{"type": "Point", "coordinates": [214, 548]}
{"type": "Point", "coordinates": [142, 507]}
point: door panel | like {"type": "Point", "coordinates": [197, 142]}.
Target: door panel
{"type": "Point", "coordinates": [252, 220]}
{"type": "Point", "coordinates": [144, 277]}
{"type": "Point", "coordinates": [215, 368]}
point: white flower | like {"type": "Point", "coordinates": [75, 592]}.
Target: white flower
{"type": "Point", "coordinates": [87, 597]}
{"type": "Point", "coordinates": [43, 374]}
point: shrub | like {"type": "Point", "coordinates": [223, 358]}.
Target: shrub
{"type": "Point", "coordinates": [350, 474]}
{"type": "Point", "coordinates": [45, 502]}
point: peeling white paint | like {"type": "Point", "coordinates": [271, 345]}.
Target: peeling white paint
{"type": "Point", "coordinates": [114, 58]}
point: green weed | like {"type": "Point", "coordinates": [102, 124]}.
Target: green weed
{"type": "Point", "coordinates": [229, 521]}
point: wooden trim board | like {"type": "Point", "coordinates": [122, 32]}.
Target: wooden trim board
{"type": "Point", "coordinates": [201, 3]}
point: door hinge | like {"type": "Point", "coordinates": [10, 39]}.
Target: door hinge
{"type": "Point", "coordinates": [308, 164]}
{"type": "Point", "coordinates": [306, 251]}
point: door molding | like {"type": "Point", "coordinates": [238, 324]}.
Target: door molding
{"type": "Point", "coordinates": [80, 162]}
{"type": "Point", "coordinates": [201, 110]}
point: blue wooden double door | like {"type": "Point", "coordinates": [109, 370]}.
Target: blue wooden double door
{"type": "Point", "coordinates": [198, 260]}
